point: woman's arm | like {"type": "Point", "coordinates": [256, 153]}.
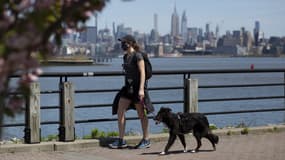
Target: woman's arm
{"type": "Point", "coordinates": [142, 78]}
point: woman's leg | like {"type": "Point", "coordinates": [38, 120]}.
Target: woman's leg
{"type": "Point", "coordinates": [144, 120]}
{"type": "Point", "coordinates": [123, 105]}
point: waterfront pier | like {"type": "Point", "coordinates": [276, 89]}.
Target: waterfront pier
{"type": "Point", "coordinates": [191, 84]}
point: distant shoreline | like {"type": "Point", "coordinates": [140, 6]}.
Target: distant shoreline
{"type": "Point", "coordinates": [84, 60]}
{"type": "Point", "coordinates": [226, 55]}
{"type": "Point", "coordinates": [68, 60]}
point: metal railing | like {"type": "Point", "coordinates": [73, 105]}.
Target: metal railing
{"type": "Point", "coordinates": [185, 74]}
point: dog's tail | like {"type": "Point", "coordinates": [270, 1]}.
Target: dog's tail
{"type": "Point", "coordinates": [214, 138]}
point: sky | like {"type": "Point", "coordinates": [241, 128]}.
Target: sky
{"type": "Point", "coordinates": [228, 14]}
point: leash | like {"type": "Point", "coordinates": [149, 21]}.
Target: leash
{"type": "Point", "coordinates": [145, 108]}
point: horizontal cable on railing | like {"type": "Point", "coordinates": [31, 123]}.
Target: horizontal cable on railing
{"type": "Point", "coordinates": [93, 106]}
{"type": "Point", "coordinates": [49, 107]}
{"type": "Point", "coordinates": [49, 122]}
{"type": "Point", "coordinates": [165, 88]}
{"type": "Point", "coordinates": [96, 90]}
{"type": "Point", "coordinates": [167, 102]}
{"type": "Point", "coordinates": [50, 92]}
{"type": "Point", "coordinates": [107, 105]}
{"type": "Point", "coordinates": [104, 120]}
{"type": "Point", "coordinates": [164, 72]}
{"type": "Point", "coordinates": [242, 85]}
{"type": "Point", "coordinates": [136, 118]}
{"type": "Point", "coordinates": [13, 125]}
{"type": "Point", "coordinates": [245, 111]}
{"type": "Point", "coordinates": [23, 124]}
{"type": "Point", "coordinates": [237, 99]}
{"type": "Point", "coordinates": [115, 90]}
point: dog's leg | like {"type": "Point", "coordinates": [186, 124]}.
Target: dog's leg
{"type": "Point", "coordinates": [198, 139]}
{"type": "Point", "coordinates": [182, 139]}
{"type": "Point", "coordinates": [171, 140]}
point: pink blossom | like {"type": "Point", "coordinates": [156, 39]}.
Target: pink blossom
{"type": "Point", "coordinates": [69, 30]}
{"type": "Point", "coordinates": [32, 77]}
{"type": "Point", "coordinates": [88, 13]}
{"type": "Point", "coordinates": [38, 71]}
{"type": "Point", "coordinates": [24, 4]}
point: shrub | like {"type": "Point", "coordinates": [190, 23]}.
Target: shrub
{"type": "Point", "coordinates": [87, 137]}
{"type": "Point", "coordinates": [96, 133]}
{"type": "Point", "coordinates": [51, 137]}
{"type": "Point", "coordinates": [229, 133]}
{"type": "Point", "coordinates": [112, 134]}
{"type": "Point", "coordinates": [213, 127]}
{"type": "Point", "coordinates": [245, 131]}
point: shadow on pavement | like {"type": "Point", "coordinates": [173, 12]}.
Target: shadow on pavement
{"type": "Point", "coordinates": [176, 152]}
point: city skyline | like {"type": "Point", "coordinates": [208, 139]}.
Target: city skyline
{"type": "Point", "coordinates": [229, 15]}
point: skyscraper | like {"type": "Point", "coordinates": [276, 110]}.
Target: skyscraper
{"type": "Point", "coordinates": [184, 27]}
{"type": "Point", "coordinates": [217, 34]}
{"type": "Point", "coordinates": [207, 32]}
{"type": "Point", "coordinates": [155, 22]}
{"type": "Point", "coordinates": [96, 27]}
{"type": "Point", "coordinates": [256, 31]}
{"type": "Point", "coordinates": [155, 28]}
{"type": "Point", "coordinates": [174, 23]}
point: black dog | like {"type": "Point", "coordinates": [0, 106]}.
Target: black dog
{"type": "Point", "coordinates": [183, 123]}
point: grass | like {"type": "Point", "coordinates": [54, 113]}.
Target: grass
{"type": "Point", "coordinates": [96, 134]}
{"type": "Point", "coordinates": [51, 137]}
{"type": "Point", "coordinates": [244, 131]}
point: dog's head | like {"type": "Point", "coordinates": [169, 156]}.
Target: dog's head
{"type": "Point", "coordinates": [162, 113]}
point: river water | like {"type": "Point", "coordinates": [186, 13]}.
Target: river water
{"type": "Point", "coordinates": [180, 63]}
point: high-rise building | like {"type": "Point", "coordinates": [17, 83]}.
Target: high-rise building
{"type": "Point", "coordinates": [155, 22]}
{"type": "Point", "coordinates": [156, 35]}
{"type": "Point", "coordinates": [114, 31]}
{"type": "Point", "coordinates": [174, 23]}
{"type": "Point", "coordinates": [193, 34]}
{"type": "Point", "coordinates": [243, 40]}
{"type": "Point", "coordinates": [96, 27]}
{"type": "Point", "coordinates": [184, 27]}
{"type": "Point", "coordinates": [217, 34]}
{"type": "Point", "coordinates": [256, 31]}
{"type": "Point", "coordinates": [89, 35]}
{"type": "Point", "coordinates": [207, 32]}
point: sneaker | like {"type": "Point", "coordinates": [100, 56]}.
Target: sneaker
{"type": "Point", "coordinates": [119, 143]}
{"type": "Point", "coordinates": [143, 144]}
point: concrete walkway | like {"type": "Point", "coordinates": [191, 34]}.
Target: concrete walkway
{"type": "Point", "coordinates": [268, 145]}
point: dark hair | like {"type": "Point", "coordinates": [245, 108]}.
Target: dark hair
{"type": "Point", "coordinates": [131, 41]}
{"type": "Point", "coordinates": [136, 47]}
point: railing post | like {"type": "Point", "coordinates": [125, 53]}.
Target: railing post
{"type": "Point", "coordinates": [66, 128]}
{"type": "Point", "coordinates": [190, 95]}
{"type": "Point", "coordinates": [32, 115]}
{"type": "Point", "coordinates": [284, 86]}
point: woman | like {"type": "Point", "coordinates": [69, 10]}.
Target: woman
{"type": "Point", "coordinates": [134, 94]}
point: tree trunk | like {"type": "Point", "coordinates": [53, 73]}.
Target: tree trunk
{"type": "Point", "coordinates": [2, 112]}
{"type": "Point", "coordinates": [1, 115]}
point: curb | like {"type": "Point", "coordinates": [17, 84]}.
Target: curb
{"type": "Point", "coordinates": [79, 144]}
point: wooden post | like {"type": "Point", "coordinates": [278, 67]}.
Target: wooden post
{"type": "Point", "coordinates": [190, 95]}
{"type": "Point", "coordinates": [66, 129]}
{"type": "Point", "coordinates": [32, 126]}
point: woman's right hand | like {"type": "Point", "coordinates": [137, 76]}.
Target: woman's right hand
{"type": "Point", "coordinates": [141, 94]}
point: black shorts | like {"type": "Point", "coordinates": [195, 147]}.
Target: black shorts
{"type": "Point", "coordinates": [131, 94]}
{"type": "Point", "coordinates": [133, 97]}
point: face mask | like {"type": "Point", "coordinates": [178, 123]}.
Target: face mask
{"type": "Point", "coordinates": [125, 46]}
